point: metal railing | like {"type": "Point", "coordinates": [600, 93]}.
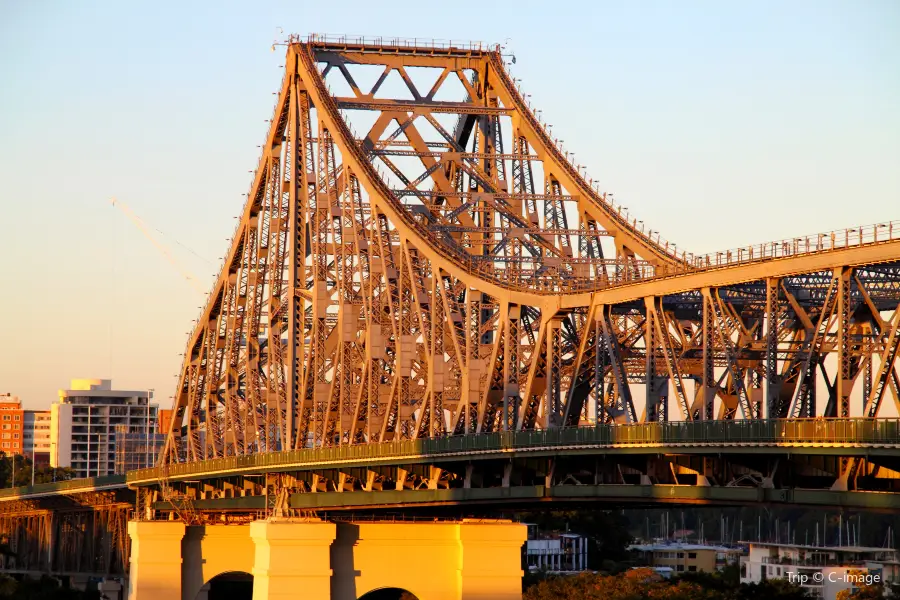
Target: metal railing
{"type": "Point", "coordinates": [685, 433]}
{"type": "Point", "coordinates": [69, 485]}
{"type": "Point", "coordinates": [397, 42]}
{"type": "Point", "coordinates": [810, 244]}
{"type": "Point", "coordinates": [674, 434]}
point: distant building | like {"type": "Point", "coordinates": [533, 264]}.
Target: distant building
{"type": "Point", "coordinates": [823, 571]}
{"type": "Point", "coordinates": [84, 420]}
{"type": "Point", "coordinates": [12, 419]}
{"type": "Point", "coordinates": [37, 436]}
{"type": "Point", "coordinates": [136, 450]}
{"type": "Point", "coordinates": [555, 552]}
{"type": "Point", "coordinates": [687, 558]}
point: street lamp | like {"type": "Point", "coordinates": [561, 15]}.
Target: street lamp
{"type": "Point", "coordinates": [33, 446]}
{"type": "Point", "coordinates": [147, 430]}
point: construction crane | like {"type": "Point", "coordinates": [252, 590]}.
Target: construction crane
{"type": "Point", "coordinates": [140, 225]}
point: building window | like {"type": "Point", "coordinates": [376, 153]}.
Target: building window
{"type": "Point", "coordinates": [6, 444]}
{"type": "Point", "coordinates": [16, 436]}
{"type": "Point", "coordinates": [5, 436]}
{"type": "Point", "coordinates": [680, 568]}
{"type": "Point", "coordinates": [6, 417]}
{"type": "Point", "coordinates": [17, 418]}
{"type": "Point", "coordinates": [692, 555]}
{"type": "Point", "coordinates": [6, 426]}
{"type": "Point", "coordinates": [692, 568]}
{"type": "Point", "coordinates": [15, 425]}
{"type": "Point", "coordinates": [681, 555]}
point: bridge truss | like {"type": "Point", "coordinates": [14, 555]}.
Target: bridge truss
{"type": "Point", "coordinates": [418, 257]}
{"type": "Point", "coordinates": [77, 533]}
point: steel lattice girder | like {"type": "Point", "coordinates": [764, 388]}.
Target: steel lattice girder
{"type": "Point", "coordinates": [449, 271]}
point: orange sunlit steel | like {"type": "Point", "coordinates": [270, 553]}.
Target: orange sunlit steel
{"type": "Point", "coordinates": [420, 257]}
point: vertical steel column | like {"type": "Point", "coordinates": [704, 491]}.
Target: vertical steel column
{"type": "Point", "coordinates": [773, 385]}
{"type": "Point", "coordinates": [601, 358]}
{"type": "Point", "coordinates": [296, 310]}
{"type": "Point", "coordinates": [511, 369]}
{"type": "Point", "coordinates": [708, 380]}
{"type": "Point", "coordinates": [554, 365]}
{"type": "Point", "coordinates": [844, 378]}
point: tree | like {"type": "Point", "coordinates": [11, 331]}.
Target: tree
{"type": "Point", "coordinates": [636, 584]}
{"type": "Point", "coordinates": [865, 592]}
{"type": "Point", "coordinates": [771, 589]}
{"type": "Point", "coordinates": [40, 589]}
{"type": "Point", "coordinates": [48, 474]}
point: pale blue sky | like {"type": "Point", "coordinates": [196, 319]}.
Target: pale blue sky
{"type": "Point", "coordinates": [719, 123]}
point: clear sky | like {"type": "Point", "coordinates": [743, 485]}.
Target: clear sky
{"type": "Point", "coordinates": [718, 123]}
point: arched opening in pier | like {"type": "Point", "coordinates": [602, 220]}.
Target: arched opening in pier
{"type": "Point", "coordinates": [235, 585]}
{"type": "Point", "coordinates": [389, 594]}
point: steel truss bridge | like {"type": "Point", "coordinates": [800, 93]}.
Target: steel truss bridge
{"type": "Point", "coordinates": [427, 302]}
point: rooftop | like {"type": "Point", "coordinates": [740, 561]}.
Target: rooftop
{"type": "Point", "coordinates": [821, 548]}
{"type": "Point", "coordinates": [678, 546]}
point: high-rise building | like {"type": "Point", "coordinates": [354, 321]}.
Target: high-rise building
{"type": "Point", "coordinates": [136, 450]}
{"type": "Point", "coordinates": [84, 421]}
{"type": "Point", "coordinates": [11, 424]}
{"type": "Point", "coordinates": [37, 436]}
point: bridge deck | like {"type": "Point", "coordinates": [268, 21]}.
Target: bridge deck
{"type": "Point", "coordinates": [812, 436]}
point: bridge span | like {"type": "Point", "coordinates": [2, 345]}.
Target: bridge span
{"type": "Point", "coordinates": [428, 305]}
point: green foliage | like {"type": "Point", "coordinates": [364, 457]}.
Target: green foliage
{"type": "Point", "coordinates": [45, 588]}
{"type": "Point", "coordinates": [771, 589]}
{"type": "Point", "coordinates": [637, 584]}
{"type": "Point", "coordinates": [866, 592]}
{"type": "Point", "coordinates": [44, 474]}
{"type": "Point", "coordinates": [645, 584]}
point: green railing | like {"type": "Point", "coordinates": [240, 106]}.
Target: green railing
{"type": "Point", "coordinates": [69, 485]}
{"type": "Point", "coordinates": [765, 432]}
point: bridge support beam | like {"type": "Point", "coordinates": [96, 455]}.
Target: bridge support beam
{"type": "Point", "coordinates": [155, 559]}
{"type": "Point", "coordinates": [468, 560]}
{"type": "Point", "coordinates": [292, 556]}
{"type": "Point", "coordinates": [491, 560]}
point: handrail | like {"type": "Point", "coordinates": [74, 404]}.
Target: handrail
{"type": "Point", "coordinates": [69, 485]}
{"type": "Point", "coordinates": [676, 434]}
{"type": "Point", "coordinates": [838, 239]}
{"type": "Point", "coordinates": [856, 431]}
{"type": "Point", "coordinates": [396, 42]}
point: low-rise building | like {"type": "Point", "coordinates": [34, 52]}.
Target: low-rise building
{"type": "Point", "coordinates": [37, 436]}
{"type": "Point", "coordinates": [12, 420]}
{"type": "Point", "coordinates": [823, 571]}
{"type": "Point", "coordinates": [684, 557]}
{"type": "Point", "coordinates": [555, 552]}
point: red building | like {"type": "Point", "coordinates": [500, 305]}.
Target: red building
{"type": "Point", "coordinates": [12, 418]}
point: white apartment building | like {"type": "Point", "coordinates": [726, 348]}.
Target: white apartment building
{"type": "Point", "coordinates": [36, 434]}
{"type": "Point", "coordinates": [823, 571]}
{"type": "Point", "coordinates": [84, 420]}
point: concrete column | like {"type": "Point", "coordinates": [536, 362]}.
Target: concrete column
{"type": "Point", "coordinates": [110, 590]}
{"type": "Point", "coordinates": [203, 594]}
{"type": "Point", "coordinates": [155, 560]}
{"type": "Point", "coordinates": [291, 558]}
{"type": "Point", "coordinates": [491, 560]}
